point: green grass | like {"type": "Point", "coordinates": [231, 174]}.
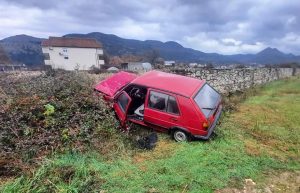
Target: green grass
{"type": "Point", "coordinates": [262, 135]}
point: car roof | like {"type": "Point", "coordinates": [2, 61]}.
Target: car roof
{"type": "Point", "coordinates": [174, 83]}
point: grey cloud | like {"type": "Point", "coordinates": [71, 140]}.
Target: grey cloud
{"type": "Point", "coordinates": [247, 21]}
{"type": "Point", "coordinates": [34, 3]}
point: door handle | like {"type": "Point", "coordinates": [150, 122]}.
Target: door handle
{"type": "Point", "coordinates": [173, 119]}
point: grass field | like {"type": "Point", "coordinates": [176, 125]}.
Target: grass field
{"type": "Point", "coordinates": [261, 138]}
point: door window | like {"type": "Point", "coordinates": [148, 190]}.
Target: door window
{"type": "Point", "coordinates": [123, 101]}
{"type": "Point", "coordinates": [163, 102]}
{"type": "Point", "coordinates": [172, 106]}
{"type": "Point", "coordinates": [158, 101]}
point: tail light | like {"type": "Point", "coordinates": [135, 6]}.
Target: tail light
{"type": "Point", "coordinates": [205, 125]}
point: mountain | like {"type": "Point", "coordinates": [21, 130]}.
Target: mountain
{"type": "Point", "coordinates": [23, 49]}
{"type": "Point", "coordinates": [26, 49]}
{"type": "Point", "coordinates": [170, 50]}
{"type": "Point", "coordinates": [273, 55]}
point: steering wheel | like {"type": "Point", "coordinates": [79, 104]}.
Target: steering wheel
{"type": "Point", "coordinates": [136, 93]}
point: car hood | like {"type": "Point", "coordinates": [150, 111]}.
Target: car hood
{"type": "Point", "coordinates": [111, 85]}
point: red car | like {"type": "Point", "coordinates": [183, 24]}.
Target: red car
{"type": "Point", "coordinates": [182, 106]}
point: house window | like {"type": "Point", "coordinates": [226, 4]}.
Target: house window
{"type": "Point", "coordinates": [46, 56]}
{"type": "Point", "coordinates": [100, 57]}
{"type": "Point", "coordinates": [66, 57]}
{"type": "Point", "coordinates": [65, 50]}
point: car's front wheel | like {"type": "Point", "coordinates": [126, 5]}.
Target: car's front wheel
{"type": "Point", "coordinates": [180, 136]}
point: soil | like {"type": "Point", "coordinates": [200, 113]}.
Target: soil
{"type": "Point", "coordinates": [285, 182]}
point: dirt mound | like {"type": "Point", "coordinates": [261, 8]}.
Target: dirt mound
{"type": "Point", "coordinates": [281, 183]}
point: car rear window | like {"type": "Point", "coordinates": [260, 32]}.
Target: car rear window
{"type": "Point", "coordinates": [207, 99]}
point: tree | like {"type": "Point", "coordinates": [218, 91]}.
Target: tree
{"type": "Point", "coordinates": [160, 61]}
{"type": "Point", "coordinates": [115, 60]}
{"type": "Point", "coordinates": [131, 58]}
{"type": "Point", "coordinates": [209, 66]}
{"type": "Point", "coordinates": [152, 56]}
{"type": "Point", "coordinates": [4, 59]}
{"type": "Point", "coordinates": [105, 57]}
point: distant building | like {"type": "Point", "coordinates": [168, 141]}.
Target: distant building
{"type": "Point", "coordinates": [112, 69]}
{"type": "Point", "coordinates": [72, 53]}
{"type": "Point", "coordinates": [136, 66]}
{"type": "Point", "coordinates": [12, 67]}
{"type": "Point", "coordinates": [193, 65]}
{"type": "Point", "coordinates": [169, 63]}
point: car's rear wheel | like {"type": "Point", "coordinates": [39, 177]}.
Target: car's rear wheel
{"type": "Point", "coordinates": [180, 136]}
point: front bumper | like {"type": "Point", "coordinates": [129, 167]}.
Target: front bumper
{"type": "Point", "coordinates": [212, 127]}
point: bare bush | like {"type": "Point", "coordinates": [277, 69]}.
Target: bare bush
{"type": "Point", "coordinates": [53, 112]}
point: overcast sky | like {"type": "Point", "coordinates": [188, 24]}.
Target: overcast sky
{"type": "Point", "coordinates": [222, 26]}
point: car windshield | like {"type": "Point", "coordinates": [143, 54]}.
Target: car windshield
{"type": "Point", "coordinates": [207, 99]}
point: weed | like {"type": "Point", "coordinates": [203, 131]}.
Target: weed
{"type": "Point", "coordinates": [54, 112]}
{"type": "Point", "coordinates": [260, 136]}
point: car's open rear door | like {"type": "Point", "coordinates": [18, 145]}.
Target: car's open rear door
{"type": "Point", "coordinates": [121, 104]}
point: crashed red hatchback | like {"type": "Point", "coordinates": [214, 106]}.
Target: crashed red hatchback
{"type": "Point", "coordinates": [182, 106]}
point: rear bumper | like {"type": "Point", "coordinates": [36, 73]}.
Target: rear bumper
{"type": "Point", "coordinates": [212, 127]}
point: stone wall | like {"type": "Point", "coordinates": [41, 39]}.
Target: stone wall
{"type": "Point", "coordinates": [231, 80]}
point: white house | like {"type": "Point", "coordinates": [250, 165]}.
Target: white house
{"type": "Point", "coordinates": [169, 63]}
{"type": "Point", "coordinates": [72, 53]}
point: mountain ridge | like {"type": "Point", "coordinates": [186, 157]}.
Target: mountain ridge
{"type": "Point", "coordinates": [27, 49]}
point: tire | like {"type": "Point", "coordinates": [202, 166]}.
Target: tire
{"type": "Point", "coordinates": [180, 136]}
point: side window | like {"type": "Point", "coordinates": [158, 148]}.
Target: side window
{"type": "Point", "coordinates": [158, 101]}
{"type": "Point", "coordinates": [123, 101]}
{"type": "Point", "coordinates": [163, 102]}
{"type": "Point", "coordinates": [172, 106]}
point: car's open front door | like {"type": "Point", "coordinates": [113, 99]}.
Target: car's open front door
{"type": "Point", "coordinates": [121, 105]}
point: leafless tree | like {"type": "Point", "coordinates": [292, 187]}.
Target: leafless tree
{"type": "Point", "coordinates": [4, 59]}
{"type": "Point", "coordinates": [105, 57]}
{"type": "Point", "coordinates": [152, 56]}
{"type": "Point", "coordinates": [115, 60]}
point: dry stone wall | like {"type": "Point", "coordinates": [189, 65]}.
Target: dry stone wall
{"type": "Point", "coordinates": [231, 80]}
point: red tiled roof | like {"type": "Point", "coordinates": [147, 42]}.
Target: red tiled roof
{"type": "Point", "coordinates": [71, 42]}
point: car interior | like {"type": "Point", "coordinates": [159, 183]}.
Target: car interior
{"type": "Point", "coordinates": [138, 96]}
{"type": "Point", "coordinates": [159, 101]}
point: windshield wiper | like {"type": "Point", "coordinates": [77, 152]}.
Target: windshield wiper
{"type": "Point", "coordinates": [209, 108]}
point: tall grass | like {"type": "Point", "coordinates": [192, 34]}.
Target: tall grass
{"type": "Point", "coordinates": [262, 135]}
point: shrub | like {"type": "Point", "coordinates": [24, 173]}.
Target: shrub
{"type": "Point", "coordinates": [51, 112]}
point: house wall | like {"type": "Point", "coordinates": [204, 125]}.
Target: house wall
{"type": "Point", "coordinates": [139, 66]}
{"type": "Point", "coordinates": [135, 66]}
{"type": "Point", "coordinates": [231, 80]}
{"type": "Point", "coordinates": [78, 58]}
